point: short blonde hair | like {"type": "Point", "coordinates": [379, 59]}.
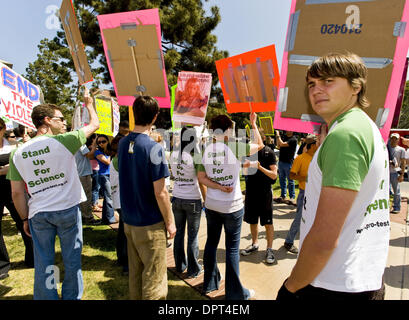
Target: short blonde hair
{"type": "Point", "coordinates": [348, 66]}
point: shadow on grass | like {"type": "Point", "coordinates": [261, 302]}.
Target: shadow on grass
{"type": "Point", "coordinates": [99, 237]}
{"type": "Point", "coordinates": [8, 226]}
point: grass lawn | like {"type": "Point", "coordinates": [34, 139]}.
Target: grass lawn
{"type": "Point", "coordinates": [103, 278]}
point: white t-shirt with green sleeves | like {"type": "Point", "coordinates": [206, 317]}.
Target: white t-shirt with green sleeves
{"type": "Point", "coordinates": [47, 166]}
{"type": "Point", "coordinates": [222, 164]}
{"type": "Point", "coordinates": [353, 156]}
{"type": "Point", "coordinates": [184, 175]}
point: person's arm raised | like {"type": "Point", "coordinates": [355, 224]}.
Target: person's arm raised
{"type": "Point", "coordinates": [257, 143]}
{"type": "Point", "coordinates": [94, 121]}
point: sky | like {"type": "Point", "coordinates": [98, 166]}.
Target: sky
{"type": "Point", "coordinates": [246, 25]}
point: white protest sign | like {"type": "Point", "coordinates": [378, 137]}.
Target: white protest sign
{"type": "Point", "coordinates": [18, 97]}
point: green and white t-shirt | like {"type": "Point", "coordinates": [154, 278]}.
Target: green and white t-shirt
{"type": "Point", "coordinates": [353, 156]}
{"type": "Point", "coordinates": [221, 162]}
{"type": "Point", "coordinates": [47, 166]}
{"type": "Point", "coordinates": [184, 175]}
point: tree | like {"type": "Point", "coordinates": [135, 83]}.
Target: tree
{"type": "Point", "coordinates": [52, 77]}
{"type": "Point", "coordinates": [187, 40]}
{"type": "Point", "coordinates": [404, 114]}
{"type": "Point", "coordinates": [53, 72]}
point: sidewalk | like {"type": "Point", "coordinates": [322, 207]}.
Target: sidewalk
{"type": "Point", "coordinates": [266, 280]}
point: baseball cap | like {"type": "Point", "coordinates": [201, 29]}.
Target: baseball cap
{"type": "Point", "coordinates": [310, 139]}
{"type": "Point", "coordinates": [396, 135]}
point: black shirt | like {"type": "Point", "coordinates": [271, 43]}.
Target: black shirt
{"type": "Point", "coordinates": [287, 153]}
{"type": "Point", "coordinates": [259, 180]}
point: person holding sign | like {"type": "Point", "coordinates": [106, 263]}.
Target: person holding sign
{"type": "Point", "coordinates": [344, 232]}
{"type": "Point", "coordinates": [259, 199]}
{"type": "Point", "coordinates": [220, 172]}
{"type": "Point", "coordinates": [186, 202]}
{"type": "Point", "coordinates": [46, 165]}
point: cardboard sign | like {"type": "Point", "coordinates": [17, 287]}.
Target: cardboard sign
{"type": "Point", "coordinates": [74, 40]}
{"type": "Point", "coordinates": [18, 97]}
{"type": "Point", "coordinates": [104, 112]}
{"type": "Point", "coordinates": [133, 49]}
{"type": "Point", "coordinates": [319, 27]}
{"type": "Point", "coordinates": [266, 123]}
{"type": "Point", "coordinates": [192, 97]}
{"type": "Point", "coordinates": [250, 80]}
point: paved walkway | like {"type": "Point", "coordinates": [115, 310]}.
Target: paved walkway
{"type": "Point", "coordinates": [266, 280]}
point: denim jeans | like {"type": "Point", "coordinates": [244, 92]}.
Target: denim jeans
{"type": "Point", "coordinates": [284, 175]}
{"type": "Point", "coordinates": [295, 226]}
{"type": "Point", "coordinates": [95, 187]}
{"type": "Point", "coordinates": [187, 211]}
{"type": "Point", "coordinates": [396, 190]}
{"type": "Point", "coordinates": [44, 227]}
{"type": "Point", "coordinates": [232, 227]}
{"type": "Point", "coordinates": [108, 204]}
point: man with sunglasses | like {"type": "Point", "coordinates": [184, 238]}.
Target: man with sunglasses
{"type": "Point", "coordinates": [46, 166]}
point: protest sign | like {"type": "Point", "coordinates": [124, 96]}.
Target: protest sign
{"type": "Point", "coordinates": [18, 97]}
{"type": "Point", "coordinates": [374, 30]}
{"type": "Point", "coordinates": [74, 40]}
{"type": "Point", "coordinates": [172, 104]}
{"type": "Point", "coordinates": [116, 117]}
{"type": "Point", "coordinates": [192, 97]}
{"type": "Point", "coordinates": [104, 112]}
{"type": "Point", "coordinates": [266, 123]}
{"type": "Point", "coordinates": [250, 80]}
{"type": "Point", "coordinates": [248, 130]}
{"type": "Point", "coordinates": [133, 50]}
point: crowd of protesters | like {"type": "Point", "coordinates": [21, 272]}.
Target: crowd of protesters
{"type": "Point", "coordinates": [56, 178]}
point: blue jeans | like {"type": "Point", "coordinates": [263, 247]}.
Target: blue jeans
{"type": "Point", "coordinates": [44, 227]}
{"type": "Point", "coordinates": [108, 204]}
{"type": "Point", "coordinates": [284, 175]}
{"type": "Point", "coordinates": [396, 190]}
{"type": "Point", "coordinates": [95, 187]}
{"type": "Point", "coordinates": [232, 228]}
{"type": "Point", "coordinates": [295, 226]}
{"type": "Point", "coordinates": [187, 211]}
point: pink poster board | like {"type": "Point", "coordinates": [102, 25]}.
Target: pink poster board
{"type": "Point", "coordinates": [116, 20]}
{"type": "Point", "coordinates": [398, 62]}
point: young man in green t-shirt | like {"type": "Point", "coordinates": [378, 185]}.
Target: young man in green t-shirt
{"type": "Point", "coordinates": [46, 166]}
{"type": "Point", "coordinates": [344, 232]}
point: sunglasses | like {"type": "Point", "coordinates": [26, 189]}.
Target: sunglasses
{"type": "Point", "coordinates": [12, 136]}
{"type": "Point", "coordinates": [103, 141]}
{"type": "Point", "coordinates": [61, 118]}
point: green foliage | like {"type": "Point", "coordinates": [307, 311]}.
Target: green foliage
{"type": "Point", "coordinates": [404, 114]}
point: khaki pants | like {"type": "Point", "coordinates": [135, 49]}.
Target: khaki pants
{"type": "Point", "coordinates": [86, 206]}
{"type": "Point", "coordinates": [148, 277]}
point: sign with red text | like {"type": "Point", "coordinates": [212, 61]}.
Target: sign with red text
{"type": "Point", "coordinates": [18, 96]}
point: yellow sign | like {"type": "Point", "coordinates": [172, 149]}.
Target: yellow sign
{"type": "Point", "coordinates": [267, 124]}
{"type": "Point", "coordinates": [104, 112]}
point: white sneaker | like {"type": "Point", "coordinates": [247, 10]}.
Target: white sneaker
{"type": "Point", "coordinates": [252, 294]}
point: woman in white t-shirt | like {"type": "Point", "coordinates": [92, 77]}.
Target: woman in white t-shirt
{"type": "Point", "coordinates": [220, 172]}
{"type": "Point", "coordinates": [186, 202]}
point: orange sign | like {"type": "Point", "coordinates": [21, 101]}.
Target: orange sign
{"type": "Point", "coordinates": [250, 80]}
